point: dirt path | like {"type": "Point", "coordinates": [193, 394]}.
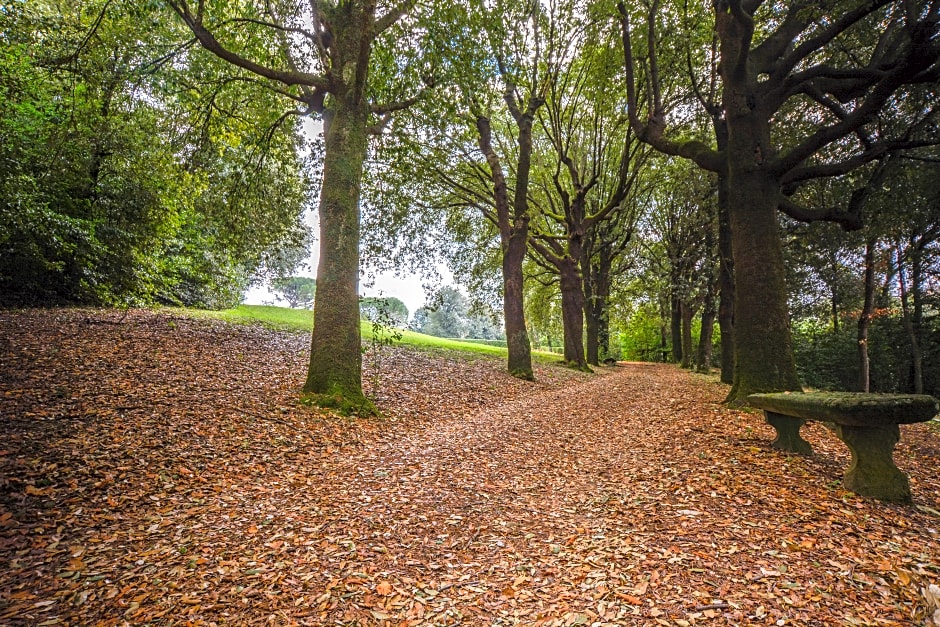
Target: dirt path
{"type": "Point", "coordinates": [159, 471]}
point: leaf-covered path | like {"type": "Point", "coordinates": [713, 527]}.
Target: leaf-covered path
{"type": "Point", "coordinates": [158, 470]}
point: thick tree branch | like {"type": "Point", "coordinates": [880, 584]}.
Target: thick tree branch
{"type": "Point", "coordinates": [908, 68]}
{"type": "Point", "coordinates": [652, 132]}
{"type": "Point", "coordinates": [210, 43]}
{"type": "Point", "coordinates": [874, 152]}
{"type": "Point", "coordinates": [811, 45]}
{"type": "Point", "coordinates": [846, 219]}
{"type": "Point", "coordinates": [396, 13]}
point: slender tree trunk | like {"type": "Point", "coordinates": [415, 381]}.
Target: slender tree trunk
{"type": "Point", "coordinates": [602, 305]}
{"type": "Point", "coordinates": [572, 313]}
{"type": "Point", "coordinates": [675, 324]}
{"type": "Point", "coordinates": [663, 344]}
{"type": "Point", "coordinates": [864, 320]}
{"type": "Point", "coordinates": [591, 319]}
{"type": "Point", "coordinates": [514, 234]}
{"type": "Point", "coordinates": [686, 313]}
{"type": "Point", "coordinates": [704, 360]}
{"type": "Point", "coordinates": [916, 358]}
{"type": "Point", "coordinates": [335, 353]}
{"type": "Point", "coordinates": [834, 295]}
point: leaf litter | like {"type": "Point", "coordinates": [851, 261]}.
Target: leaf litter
{"type": "Point", "coordinates": [156, 469]}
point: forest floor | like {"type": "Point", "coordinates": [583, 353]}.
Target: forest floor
{"type": "Point", "coordinates": [159, 470]}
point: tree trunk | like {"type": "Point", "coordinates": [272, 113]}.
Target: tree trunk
{"type": "Point", "coordinates": [663, 343]}
{"type": "Point", "coordinates": [834, 294]}
{"type": "Point", "coordinates": [514, 233]}
{"type": "Point", "coordinates": [675, 325]}
{"type": "Point", "coordinates": [686, 313]}
{"type": "Point", "coordinates": [572, 313]}
{"type": "Point", "coordinates": [591, 318]}
{"type": "Point", "coordinates": [726, 266]}
{"type": "Point", "coordinates": [763, 347]}
{"type": "Point", "coordinates": [916, 359]}
{"type": "Point", "coordinates": [335, 352]}
{"type": "Point", "coordinates": [864, 320]}
{"type": "Point", "coordinates": [517, 337]}
{"type": "Point", "coordinates": [596, 297]}
{"type": "Point", "coordinates": [704, 359]}
{"type": "Point", "coordinates": [601, 305]}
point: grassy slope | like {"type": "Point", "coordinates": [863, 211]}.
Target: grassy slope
{"type": "Point", "coordinates": [286, 319]}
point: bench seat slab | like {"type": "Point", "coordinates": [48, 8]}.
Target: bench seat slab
{"type": "Point", "coordinates": [850, 408]}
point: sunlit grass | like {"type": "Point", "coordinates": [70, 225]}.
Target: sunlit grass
{"type": "Point", "coordinates": [286, 319]}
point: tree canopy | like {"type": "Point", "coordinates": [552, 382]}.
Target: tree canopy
{"type": "Point", "coordinates": [583, 164]}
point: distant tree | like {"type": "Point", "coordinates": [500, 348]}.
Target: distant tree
{"type": "Point", "coordinates": [483, 323]}
{"type": "Point", "coordinates": [445, 315]}
{"type": "Point", "coordinates": [373, 308]}
{"type": "Point", "coordinates": [298, 291]}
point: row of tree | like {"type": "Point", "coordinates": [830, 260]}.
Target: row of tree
{"type": "Point", "coordinates": [544, 140]}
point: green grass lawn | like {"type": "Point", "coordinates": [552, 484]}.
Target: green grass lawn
{"type": "Point", "coordinates": [285, 319]}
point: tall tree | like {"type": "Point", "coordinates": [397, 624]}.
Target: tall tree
{"type": "Point", "coordinates": [596, 162]}
{"type": "Point", "coordinates": [840, 63]}
{"type": "Point", "coordinates": [321, 55]}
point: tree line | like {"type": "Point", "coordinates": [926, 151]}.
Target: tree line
{"type": "Point", "coordinates": [576, 161]}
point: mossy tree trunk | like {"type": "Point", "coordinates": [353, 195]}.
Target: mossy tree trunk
{"type": "Point", "coordinates": [335, 350]}
{"type": "Point", "coordinates": [334, 49]}
{"type": "Point", "coordinates": [572, 312]}
{"type": "Point", "coordinates": [725, 268]}
{"type": "Point", "coordinates": [335, 367]}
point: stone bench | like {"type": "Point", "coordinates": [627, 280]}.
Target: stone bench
{"type": "Point", "coordinates": [867, 423]}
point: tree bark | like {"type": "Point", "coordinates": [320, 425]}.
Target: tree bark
{"type": "Point", "coordinates": [591, 318]}
{"type": "Point", "coordinates": [335, 351]}
{"type": "Point", "coordinates": [513, 224]}
{"type": "Point", "coordinates": [704, 361]}
{"type": "Point", "coordinates": [725, 260]}
{"type": "Point", "coordinates": [572, 313]}
{"type": "Point", "coordinates": [675, 323]}
{"type": "Point", "coordinates": [917, 374]}
{"type": "Point", "coordinates": [686, 313]}
{"type": "Point", "coordinates": [864, 320]}
{"type": "Point", "coordinates": [763, 348]}
{"type": "Point", "coordinates": [517, 336]}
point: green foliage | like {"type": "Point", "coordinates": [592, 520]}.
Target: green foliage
{"type": "Point", "coordinates": [641, 335]}
{"type": "Point", "coordinates": [121, 184]}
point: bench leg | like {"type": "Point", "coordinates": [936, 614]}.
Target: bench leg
{"type": "Point", "coordinates": [872, 472]}
{"type": "Point", "coordinates": [788, 433]}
